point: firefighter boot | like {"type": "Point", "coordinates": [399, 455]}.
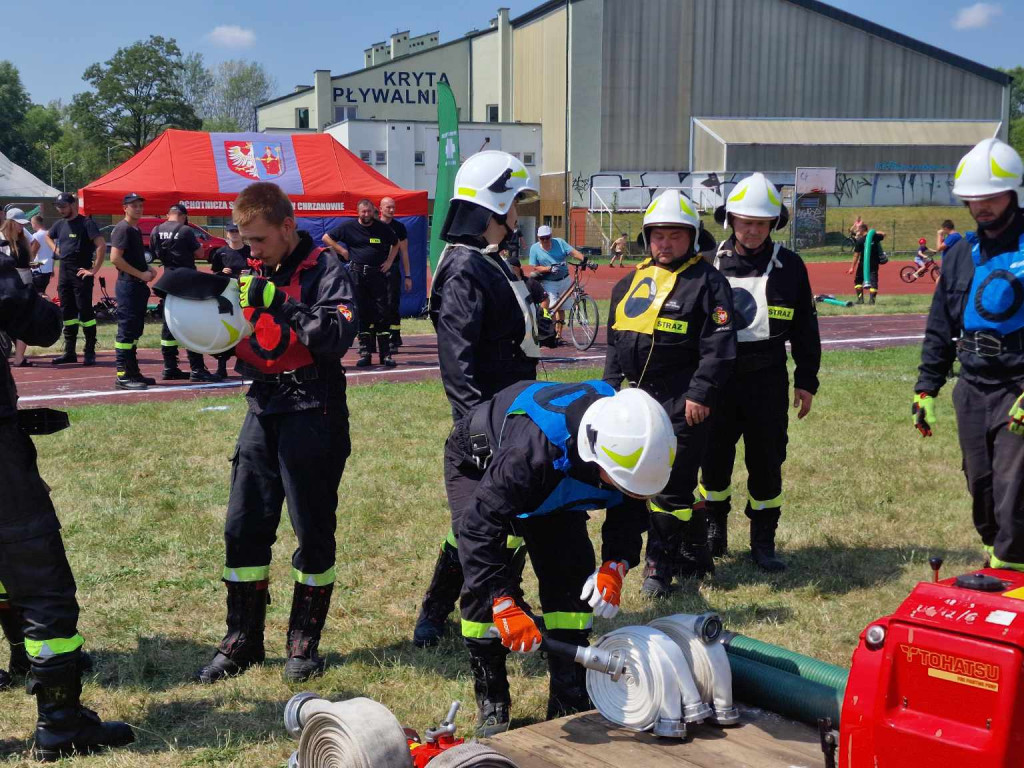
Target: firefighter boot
{"type": "Point", "coordinates": [199, 373]}
{"type": "Point", "coordinates": [125, 379]}
{"type": "Point", "coordinates": [490, 685]}
{"type": "Point", "coordinates": [306, 623]}
{"type": "Point", "coordinates": [90, 344]}
{"type": "Point", "coordinates": [222, 365]}
{"type": "Point", "coordinates": [396, 337]}
{"type": "Point", "coordinates": [567, 687]}
{"type": "Point", "coordinates": [439, 602]}
{"type": "Point", "coordinates": [872, 295]}
{"type": "Point", "coordinates": [384, 347]}
{"type": "Point", "coordinates": [242, 646]}
{"type": "Point", "coordinates": [663, 541]}
{"type": "Point", "coordinates": [763, 524]}
{"type": "Point", "coordinates": [70, 341]}
{"type": "Point", "coordinates": [718, 527]}
{"type": "Point", "coordinates": [135, 371]}
{"type": "Point", "coordinates": [694, 560]}
{"type": "Point", "coordinates": [64, 726]}
{"type": "Point", "coordinates": [171, 370]}
{"type": "Point", "coordinates": [365, 354]}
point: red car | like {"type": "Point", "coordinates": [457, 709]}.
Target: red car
{"type": "Point", "coordinates": [147, 224]}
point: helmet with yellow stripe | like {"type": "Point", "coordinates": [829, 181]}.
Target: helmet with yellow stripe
{"type": "Point", "coordinates": [754, 198]}
{"type": "Point", "coordinates": [990, 169]}
{"type": "Point", "coordinates": [494, 180]}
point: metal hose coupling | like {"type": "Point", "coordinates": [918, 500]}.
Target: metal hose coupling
{"type": "Point", "coordinates": [292, 723]}
{"type": "Point", "coordinates": [610, 663]}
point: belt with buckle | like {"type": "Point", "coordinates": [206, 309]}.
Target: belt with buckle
{"type": "Point", "coordinates": [480, 452]}
{"type": "Point", "coordinates": [990, 343]}
{"type": "Point", "coordinates": [299, 375]}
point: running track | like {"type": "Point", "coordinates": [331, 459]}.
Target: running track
{"type": "Point", "coordinates": [43, 384]}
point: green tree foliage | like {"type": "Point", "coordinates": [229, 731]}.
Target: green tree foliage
{"type": "Point", "coordinates": [14, 103]}
{"type": "Point", "coordinates": [1017, 108]}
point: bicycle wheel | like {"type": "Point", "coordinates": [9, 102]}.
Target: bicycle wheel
{"type": "Point", "coordinates": [907, 274]}
{"type": "Point", "coordinates": [935, 272]}
{"type": "Point", "coordinates": [848, 244]}
{"type": "Point", "coordinates": [584, 322]}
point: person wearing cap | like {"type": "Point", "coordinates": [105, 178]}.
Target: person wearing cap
{"type": "Point", "coordinates": [175, 244]}
{"type": "Point", "coordinates": [549, 259]}
{"type": "Point", "coordinates": [486, 328]}
{"type": "Point", "coordinates": [128, 255]}
{"type": "Point", "coordinates": [19, 249]}
{"type": "Point", "coordinates": [397, 285]}
{"type": "Point", "coordinates": [773, 305]}
{"type": "Point", "coordinates": [671, 333]}
{"type": "Point", "coordinates": [369, 246]}
{"type": "Point", "coordinates": [76, 241]}
{"type": "Point", "coordinates": [531, 463]}
{"type": "Point", "coordinates": [231, 260]}
{"type": "Point", "coordinates": [42, 272]}
{"type": "Point", "coordinates": [977, 317]}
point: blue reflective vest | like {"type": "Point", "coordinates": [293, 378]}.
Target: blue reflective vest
{"type": "Point", "coordinates": [996, 300]}
{"type": "Point", "coordinates": [546, 403]}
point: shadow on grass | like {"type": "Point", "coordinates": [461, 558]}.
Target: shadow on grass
{"type": "Point", "coordinates": [10, 747]}
{"type": "Point", "coordinates": [159, 663]}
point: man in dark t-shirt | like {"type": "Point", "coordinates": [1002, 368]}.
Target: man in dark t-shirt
{"type": "Point", "coordinates": [77, 242]}
{"type": "Point", "coordinates": [231, 260]}
{"type": "Point", "coordinates": [370, 247]}
{"type": "Point", "coordinates": [128, 254]}
{"type": "Point", "coordinates": [396, 285]}
{"type": "Point", "coordinates": [874, 260]}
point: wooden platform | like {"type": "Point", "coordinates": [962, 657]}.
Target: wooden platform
{"type": "Point", "coordinates": [764, 740]}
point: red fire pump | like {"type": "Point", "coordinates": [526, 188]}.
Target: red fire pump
{"type": "Point", "coordinates": [438, 739]}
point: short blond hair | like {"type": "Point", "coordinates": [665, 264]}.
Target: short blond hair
{"type": "Point", "coordinates": [262, 199]}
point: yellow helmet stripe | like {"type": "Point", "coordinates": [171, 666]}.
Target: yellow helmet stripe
{"type": "Point", "coordinates": [999, 172]}
{"type": "Point", "coordinates": [467, 191]}
{"type": "Point", "coordinates": [771, 195]}
{"type": "Point", "coordinates": [960, 168]}
{"type": "Point", "coordinates": [685, 206]}
{"type": "Point", "coordinates": [520, 174]}
{"type": "Point", "coordinates": [233, 333]}
{"type": "Point", "coordinates": [739, 194]}
{"type": "Point", "coordinates": [626, 462]}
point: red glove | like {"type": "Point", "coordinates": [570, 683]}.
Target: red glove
{"type": "Point", "coordinates": [603, 588]}
{"type": "Point", "coordinates": [517, 630]}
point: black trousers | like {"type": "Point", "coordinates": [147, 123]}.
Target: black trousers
{"type": "Point", "coordinates": [395, 283]}
{"type": "Point", "coordinates": [993, 462]}
{"type": "Point", "coordinates": [41, 281]}
{"type": "Point", "coordinates": [858, 279]}
{"type": "Point", "coordinates": [132, 300]}
{"type": "Point", "coordinates": [169, 350]}
{"type": "Point", "coordinates": [754, 406]}
{"type": "Point", "coordinates": [33, 565]}
{"type": "Point", "coordinates": [371, 294]}
{"type": "Point", "coordinates": [75, 298]}
{"type": "Point", "coordinates": [297, 457]}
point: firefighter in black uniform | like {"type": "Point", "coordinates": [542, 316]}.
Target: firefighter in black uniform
{"type": "Point", "coordinates": [486, 328]}
{"type": "Point", "coordinates": [980, 300]}
{"type": "Point", "coordinates": [76, 241]}
{"type": "Point", "coordinates": [397, 285]}
{"type": "Point", "coordinates": [295, 438]}
{"type": "Point", "coordinates": [369, 246]}
{"type": "Point", "coordinates": [531, 462]}
{"type": "Point", "coordinates": [175, 244]}
{"type": "Point", "coordinates": [231, 260]}
{"type": "Point", "coordinates": [33, 565]}
{"type": "Point", "coordinates": [874, 262]}
{"type": "Point", "coordinates": [773, 304]}
{"type": "Point", "coordinates": [670, 333]}
{"type": "Point", "coordinates": [127, 253]}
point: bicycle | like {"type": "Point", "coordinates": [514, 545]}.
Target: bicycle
{"type": "Point", "coordinates": [848, 244]}
{"type": "Point", "coordinates": [909, 274]}
{"type": "Point", "coordinates": [584, 318]}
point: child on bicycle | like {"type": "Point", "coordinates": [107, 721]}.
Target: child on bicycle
{"type": "Point", "coordinates": [923, 259]}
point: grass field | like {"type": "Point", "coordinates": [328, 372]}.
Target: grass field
{"type": "Point", "coordinates": [141, 490]}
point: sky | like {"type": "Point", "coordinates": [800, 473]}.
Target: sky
{"type": "Point", "coordinates": [331, 34]}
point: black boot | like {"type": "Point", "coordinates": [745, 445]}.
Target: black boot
{"type": "Point", "coordinates": [198, 370]}
{"type": "Point", "coordinates": [694, 560]}
{"type": "Point", "coordinates": [490, 685]}
{"type": "Point", "coordinates": [70, 341]}
{"type": "Point", "coordinates": [135, 371]}
{"type": "Point", "coordinates": [439, 601]}
{"type": "Point", "coordinates": [67, 728]}
{"type": "Point", "coordinates": [222, 366]}
{"type": "Point", "coordinates": [365, 353]}
{"type": "Point", "coordinates": [718, 527]}
{"type": "Point", "coordinates": [871, 297]}
{"type": "Point", "coordinates": [125, 379]}
{"type": "Point", "coordinates": [242, 646]}
{"type": "Point", "coordinates": [384, 347]}
{"type": "Point", "coordinates": [90, 345]}
{"type": "Point", "coordinates": [306, 623]}
{"type": "Point", "coordinates": [396, 337]}
{"type": "Point", "coordinates": [567, 687]}
{"type": "Point", "coordinates": [663, 541]}
{"type": "Point", "coordinates": [763, 524]}
{"type": "Point", "coordinates": [171, 370]}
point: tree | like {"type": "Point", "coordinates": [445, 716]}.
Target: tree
{"type": "Point", "coordinates": [137, 95]}
{"type": "Point", "coordinates": [14, 103]}
{"type": "Point", "coordinates": [1016, 108]}
{"type": "Point", "coordinates": [240, 86]}
{"type": "Point", "coordinates": [197, 84]}
{"type": "Point", "coordinates": [41, 130]}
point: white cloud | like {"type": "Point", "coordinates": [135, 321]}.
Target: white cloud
{"type": "Point", "coordinates": [977, 15]}
{"type": "Point", "coordinates": [232, 36]}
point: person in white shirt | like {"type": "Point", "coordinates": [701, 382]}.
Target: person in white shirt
{"type": "Point", "coordinates": [42, 271]}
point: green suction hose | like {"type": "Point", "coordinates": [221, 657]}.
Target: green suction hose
{"type": "Point", "coordinates": [796, 664]}
{"type": "Point", "coordinates": [789, 695]}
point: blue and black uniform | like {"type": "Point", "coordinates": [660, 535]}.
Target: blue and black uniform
{"type": "Point", "coordinates": [395, 285]}
{"type": "Point", "coordinates": [977, 318]}
{"type": "Point", "coordinates": [132, 301]}
{"type": "Point", "coordinates": [75, 239]}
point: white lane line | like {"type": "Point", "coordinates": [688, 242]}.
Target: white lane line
{"type": "Point", "coordinates": [867, 339]}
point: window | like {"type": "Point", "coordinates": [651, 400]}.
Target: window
{"type": "Point", "coordinates": [344, 113]}
{"type": "Point", "coordinates": [302, 117]}
{"type": "Point", "coordinates": [528, 158]}
{"type": "Point", "coordinates": [382, 157]}
{"type": "Point", "coordinates": [419, 157]}
{"type": "Point", "coordinates": [547, 221]}
{"type": "Point", "coordinates": [492, 113]}
{"type": "Point", "coordinates": [364, 155]}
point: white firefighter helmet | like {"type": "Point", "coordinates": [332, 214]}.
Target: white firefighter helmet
{"type": "Point", "coordinates": [209, 326]}
{"type": "Point", "coordinates": [671, 209]}
{"type": "Point", "coordinates": [630, 437]}
{"type": "Point", "coordinates": [991, 168]}
{"type": "Point", "coordinates": [493, 180]}
{"type": "Point", "coordinates": [754, 198]}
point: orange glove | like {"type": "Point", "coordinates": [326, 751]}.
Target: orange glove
{"type": "Point", "coordinates": [603, 588]}
{"type": "Point", "coordinates": [517, 630]}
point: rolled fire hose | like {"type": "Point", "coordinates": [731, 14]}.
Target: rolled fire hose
{"type": "Point", "coordinates": [471, 755]}
{"type": "Point", "coordinates": [656, 693]}
{"type": "Point", "coordinates": [697, 637]}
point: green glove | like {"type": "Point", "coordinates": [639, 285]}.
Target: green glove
{"type": "Point", "coordinates": [257, 292]}
{"type": "Point", "coordinates": [1017, 417]}
{"type": "Point", "coordinates": [923, 411]}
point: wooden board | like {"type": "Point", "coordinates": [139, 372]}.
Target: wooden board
{"type": "Point", "coordinates": [763, 740]}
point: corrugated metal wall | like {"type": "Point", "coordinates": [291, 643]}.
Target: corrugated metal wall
{"type": "Point", "coordinates": [538, 66]}
{"type": "Point", "coordinates": [850, 159]}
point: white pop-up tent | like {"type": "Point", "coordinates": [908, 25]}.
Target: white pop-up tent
{"type": "Point", "coordinates": [17, 183]}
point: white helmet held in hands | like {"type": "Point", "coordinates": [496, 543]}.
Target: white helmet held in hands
{"type": "Point", "coordinates": [630, 437]}
{"type": "Point", "coordinates": [754, 198]}
{"type": "Point", "coordinates": [209, 326]}
{"type": "Point", "coordinates": [493, 180]}
{"type": "Point", "coordinates": [991, 168]}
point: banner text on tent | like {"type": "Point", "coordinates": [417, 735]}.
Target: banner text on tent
{"type": "Point", "coordinates": [227, 205]}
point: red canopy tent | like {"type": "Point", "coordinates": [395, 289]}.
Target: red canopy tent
{"type": "Point", "coordinates": [206, 171]}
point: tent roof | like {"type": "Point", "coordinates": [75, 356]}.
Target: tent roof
{"type": "Point", "coordinates": [206, 171]}
{"type": "Point", "coordinates": [15, 181]}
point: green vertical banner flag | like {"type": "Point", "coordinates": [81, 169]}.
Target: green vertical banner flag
{"type": "Point", "coordinates": [447, 166]}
